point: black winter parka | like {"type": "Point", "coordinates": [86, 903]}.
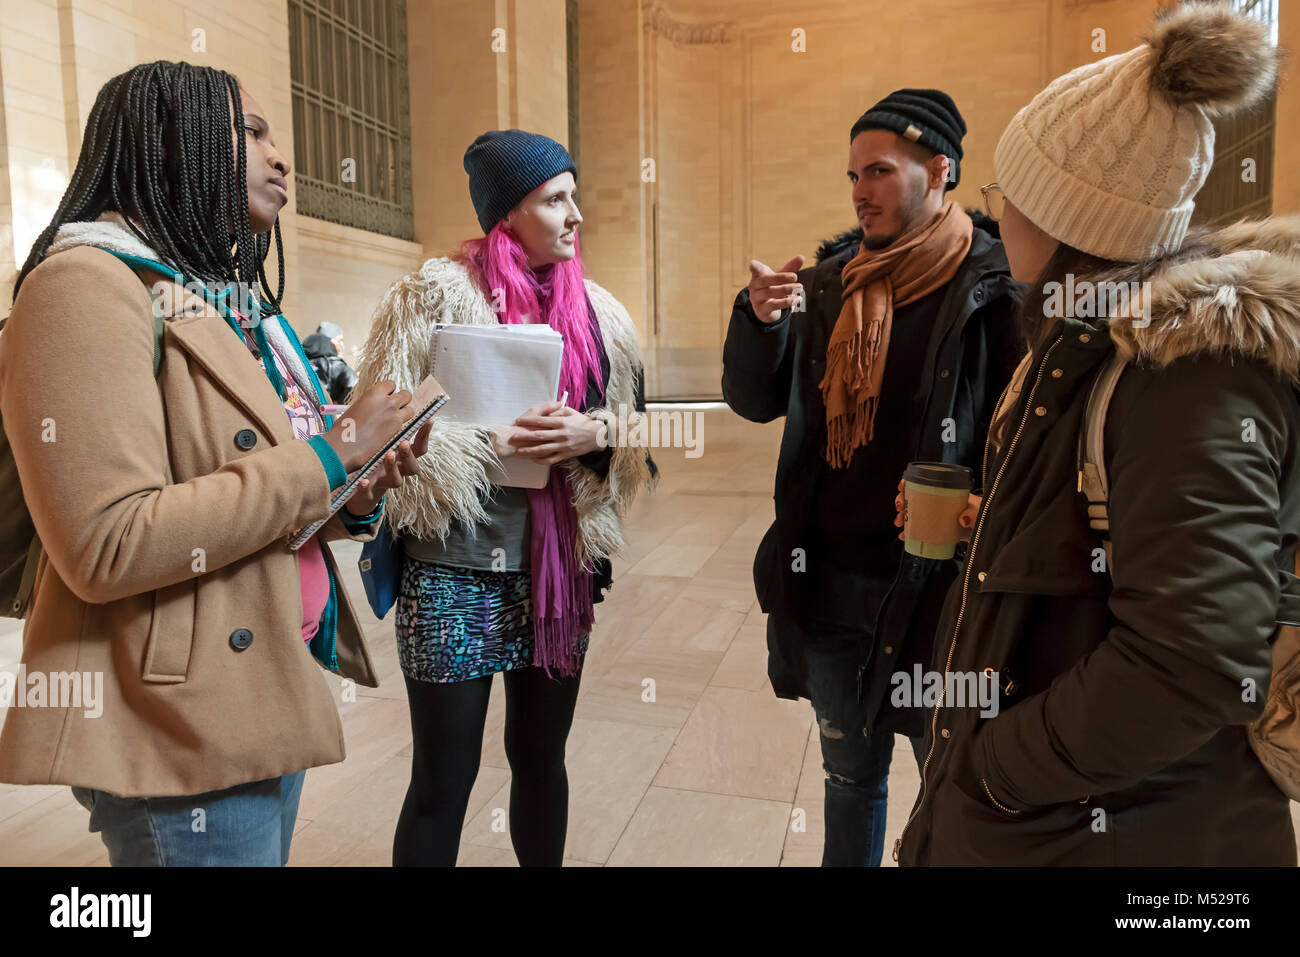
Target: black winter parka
{"type": "Point", "coordinates": [774, 370]}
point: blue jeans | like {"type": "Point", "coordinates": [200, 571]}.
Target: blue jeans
{"type": "Point", "coordinates": [249, 825]}
{"type": "Point", "coordinates": [857, 766]}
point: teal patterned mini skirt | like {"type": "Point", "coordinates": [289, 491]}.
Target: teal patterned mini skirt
{"type": "Point", "coordinates": [454, 624]}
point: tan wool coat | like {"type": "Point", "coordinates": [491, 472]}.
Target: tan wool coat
{"type": "Point", "coordinates": [163, 537]}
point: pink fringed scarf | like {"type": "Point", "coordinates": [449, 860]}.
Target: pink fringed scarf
{"type": "Point", "coordinates": [562, 600]}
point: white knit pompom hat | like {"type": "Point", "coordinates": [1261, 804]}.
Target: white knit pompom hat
{"type": "Point", "coordinates": [1109, 156]}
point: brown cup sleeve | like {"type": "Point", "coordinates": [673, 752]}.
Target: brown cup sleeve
{"type": "Point", "coordinates": [932, 518]}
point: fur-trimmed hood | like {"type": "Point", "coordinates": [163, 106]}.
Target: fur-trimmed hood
{"type": "Point", "coordinates": [1234, 291]}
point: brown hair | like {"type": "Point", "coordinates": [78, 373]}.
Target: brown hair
{"type": "Point", "coordinates": [1035, 325]}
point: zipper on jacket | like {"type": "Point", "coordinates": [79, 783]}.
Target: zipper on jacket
{"type": "Point", "coordinates": [965, 585]}
{"type": "Point", "coordinates": [996, 803]}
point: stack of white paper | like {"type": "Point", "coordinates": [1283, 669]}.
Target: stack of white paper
{"type": "Point", "coordinates": [494, 374]}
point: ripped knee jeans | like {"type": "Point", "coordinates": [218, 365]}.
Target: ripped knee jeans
{"type": "Point", "coordinates": [857, 766]}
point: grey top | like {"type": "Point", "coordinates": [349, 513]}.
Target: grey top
{"type": "Point", "coordinates": [474, 546]}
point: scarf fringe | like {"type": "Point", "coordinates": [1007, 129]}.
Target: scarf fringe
{"type": "Point", "coordinates": [846, 433]}
{"type": "Point", "coordinates": [563, 607]}
{"type": "Point", "coordinates": [848, 368]}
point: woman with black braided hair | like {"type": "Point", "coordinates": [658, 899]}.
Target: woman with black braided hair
{"type": "Point", "coordinates": [166, 446]}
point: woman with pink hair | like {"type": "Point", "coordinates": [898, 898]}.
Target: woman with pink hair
{"type": "Point", "coordinates": [501, 579]}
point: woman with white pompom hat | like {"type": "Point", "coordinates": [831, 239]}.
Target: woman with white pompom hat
{"type": "Point", "coordinates": [1128, 661]}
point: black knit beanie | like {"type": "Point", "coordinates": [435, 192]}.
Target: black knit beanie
{"type": "Point", "coordinates": [928, 117]}
{"type": "Point", "coordinates": [504, 166]}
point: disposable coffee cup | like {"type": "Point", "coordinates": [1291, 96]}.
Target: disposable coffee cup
{"type": "Point", "coordinates": [934, 496]}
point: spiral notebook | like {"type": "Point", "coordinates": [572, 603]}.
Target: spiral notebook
{"type": "Point", "coordinates": [427, 399]}
{"type": "Point", "coordinates": [494, 374]}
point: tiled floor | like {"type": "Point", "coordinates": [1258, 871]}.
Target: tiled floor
{"type": "Point", "coordinates": [679, 754]}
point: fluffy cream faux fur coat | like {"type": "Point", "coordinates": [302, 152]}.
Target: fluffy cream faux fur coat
{"type": "Point", "coordinates": [452, 480]}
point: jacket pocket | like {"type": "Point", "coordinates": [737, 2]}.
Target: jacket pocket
{"type": "Point", "coordinates": [1059, 581]}
{"type": "Point", "coordinates": [988, 793]}
{"type": "Point", "coordinates": [975, 831]}
{"type": "Point", "coordinates": [171, 634]}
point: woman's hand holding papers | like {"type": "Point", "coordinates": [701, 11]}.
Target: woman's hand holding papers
{"type": "Point", "coordinates": [552, 433]}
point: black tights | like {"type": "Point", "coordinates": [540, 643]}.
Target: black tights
{"type": "Point", "coordinates": [447, 733]}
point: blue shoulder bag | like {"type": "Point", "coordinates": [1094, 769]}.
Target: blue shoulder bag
{"type": "Point", "coordinates": [381, 569]}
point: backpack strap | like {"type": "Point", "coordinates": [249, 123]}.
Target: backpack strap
{"type": "Point", "coordinates": [1093, 482]}
{"type": "Point", "coordinates": [139, 262]}
{"type": "Point", "coordinates": [18, 608]}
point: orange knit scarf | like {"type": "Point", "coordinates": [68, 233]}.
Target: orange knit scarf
{"type": "Point", "coordinates": [875, 281]}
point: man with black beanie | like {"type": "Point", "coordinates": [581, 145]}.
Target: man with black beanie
{"type": "Point", "coordinates": [893, 347]}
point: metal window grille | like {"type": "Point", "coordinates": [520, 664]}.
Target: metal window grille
{"type": "Point", "coordinates": [1229, 194]}
{"type": "Point", "coordinates": [351, 113]}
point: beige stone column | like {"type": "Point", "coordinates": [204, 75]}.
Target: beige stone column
{"type": "Point", "coordinates": [614, 201]}
{"type": "Point", "coordinates": [476, 67]}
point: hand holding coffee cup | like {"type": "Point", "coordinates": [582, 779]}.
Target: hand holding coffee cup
{"type": "Point", "coordinates": [935, 508]}
{"type": "Point", "coordinates": [966, 519]}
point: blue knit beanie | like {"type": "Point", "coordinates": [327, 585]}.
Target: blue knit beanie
{"type": "Point", "coordinates": [504, 166]}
